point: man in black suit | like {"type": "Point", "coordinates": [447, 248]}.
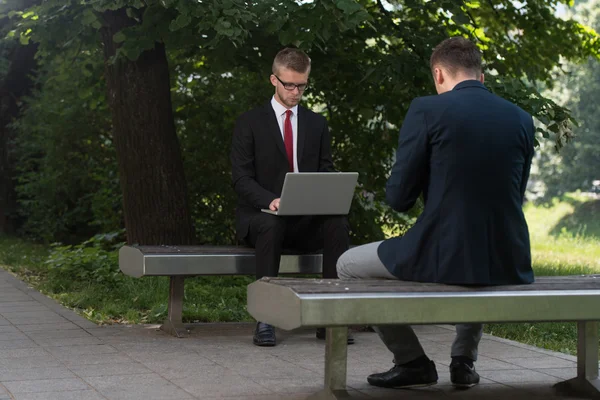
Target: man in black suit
{"type": "Point", "coordinates": [268, 142]}
{"type": "Point", "coordinates": [468, 152]}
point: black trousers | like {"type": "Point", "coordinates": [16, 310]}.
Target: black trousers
{"type": "Point", "coordinates": [270, 234]}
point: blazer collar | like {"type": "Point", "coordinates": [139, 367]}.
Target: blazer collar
{"type": "Point", "coordinates": [302, 132]}
{"type": "Point", "coordinates": [471, 83]}
{"type": "Point", "coordinates": [273, 126]}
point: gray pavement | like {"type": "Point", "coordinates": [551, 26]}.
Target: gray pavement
{"type": "Point", "coordinates": [48, 352]}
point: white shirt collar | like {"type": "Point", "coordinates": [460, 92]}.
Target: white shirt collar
{"type": "Point", "coordinates": [280, 109]}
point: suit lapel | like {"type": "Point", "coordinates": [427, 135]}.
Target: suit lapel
{"type": "Point", "coordinates": [273, 127]}
{"type": "Point", "coordinates": [302, 130]}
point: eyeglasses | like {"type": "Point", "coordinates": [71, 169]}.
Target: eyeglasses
{"type": "Point", "coordinates": [291, 86]}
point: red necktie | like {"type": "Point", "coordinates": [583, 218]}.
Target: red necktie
{"type": "Point", "coordinates": [288, 139]}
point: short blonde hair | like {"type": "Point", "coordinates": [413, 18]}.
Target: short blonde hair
{"type": "Point", "coordinates": [292, 58]}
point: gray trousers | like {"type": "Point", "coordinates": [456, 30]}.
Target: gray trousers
{"type": "Point", "coordinates": [362, 262]}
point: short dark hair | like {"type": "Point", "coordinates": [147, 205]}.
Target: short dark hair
{"type": "Point", "coordinates": [292, 58]}
{"type": "Point", "coordinates": [457, 54]}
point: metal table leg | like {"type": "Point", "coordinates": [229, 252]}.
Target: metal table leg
{"type": "Point", "coordinates": [174, 325]}
{"type": "Point", "coordinates": [336, 358]}
{"type": "Point", "coordinates": [586, 383]}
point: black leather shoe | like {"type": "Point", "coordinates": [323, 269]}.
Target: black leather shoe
{"type": "Point", "coordinates": [463, 375]}
{"type": "Point", "coordinates": [264, 335]}
{"type": "Point", "coordinates": [322, 334]}
{"type": "Point", "coordinates": [401, 376]}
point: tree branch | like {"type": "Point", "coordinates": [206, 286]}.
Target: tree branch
{"type": "Point", "coordinates": [389, 15]}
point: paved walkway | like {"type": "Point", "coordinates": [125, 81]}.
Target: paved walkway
{"type": "Point", "coordinates": [47, 352]}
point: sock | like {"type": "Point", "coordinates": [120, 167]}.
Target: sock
{"type": "Point", "coordinates": [463, 360]}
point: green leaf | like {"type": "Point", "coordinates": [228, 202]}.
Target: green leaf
{"type": "Point", "coordinates": [286, 37]}
{"type": "Point", "coordinates": [545, 134]}
{"type": "Point", "coordinates": [90, 18]}
{"type": "Point", "coordinates": [132, 53]}
{"type": "Point", "coordinates": [326, 34]}
{"type": "Point", "coordinates": [348, 6]}
{"type": "Point", "coordinates": [460, 18]}
{"type": "Point", "coordinates": [553, 127]}
{"type": "Point", "coordinates": [183, 20]}
{"type": "Point", "coordinates": [231, 12]}
{"type": "Point", "coordinates": [119, 37]}
{"type": "Point", "coordinates": [146, 43]}
{"type": "Point", "coordinates": [131, 13]}
{"type": "Point", "coordinates": [446, 5]}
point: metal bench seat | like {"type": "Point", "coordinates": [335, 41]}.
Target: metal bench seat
{"type": "Point", "coordinates": [295, 303]}
{"type": "Point", "coordinates": [179, 262]}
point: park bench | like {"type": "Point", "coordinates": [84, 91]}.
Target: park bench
{"type": "Point", "coordinates": [179, 262]}
{"type": "Point", "coordinates": [336, 304]}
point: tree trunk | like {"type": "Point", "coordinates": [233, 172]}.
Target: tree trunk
{"type": "Point", "coordinates": [155, 201]}
{"type": "Point", "coordinates": [16, 84]}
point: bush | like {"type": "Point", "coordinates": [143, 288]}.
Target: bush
{"type": "Point", "coordinates": [68, 184]}
{"type": "Point", "coordinates": [95, 260]}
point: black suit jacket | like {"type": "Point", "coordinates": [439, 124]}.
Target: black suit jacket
{"type": "Point", "coordinates": [469, 153]}
{"type": "Point", "coordinates": [259, 161]}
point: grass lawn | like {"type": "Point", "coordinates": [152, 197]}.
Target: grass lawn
{"type": "Point", "coordinates": [565, 239]}
{"type": "Point", "coordinates": [129, 300]}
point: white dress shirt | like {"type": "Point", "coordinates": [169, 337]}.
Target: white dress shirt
{"type": "Point", "coordinates": [280, 113]}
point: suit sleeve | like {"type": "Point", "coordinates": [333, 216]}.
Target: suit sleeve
{"type": "Point", "coordinates": [528, 158]}
{"type": "Point", "coordinates": [409, 172]}
{"type": "Point", "coordinates": [243, 169]}
{"type": "Point", "coordinates": [325, 162]}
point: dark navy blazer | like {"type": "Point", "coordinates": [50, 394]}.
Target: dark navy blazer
{"type": "Point", "coordinates": [469, 153]}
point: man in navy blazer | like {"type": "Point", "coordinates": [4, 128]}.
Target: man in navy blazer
{"type": "Point", "coordinates": [468, 153]}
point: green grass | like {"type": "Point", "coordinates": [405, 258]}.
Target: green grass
{"type": "Point", "coordinates": [565, 235]}
{"type": "Point", "coordinates": [565, 238]}
{"type": "Point", "coordinates": [130, 300]}
{"type": "Point", "coordinates": [207, 299]}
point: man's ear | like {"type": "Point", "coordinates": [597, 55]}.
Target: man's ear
{"type": "Point", "coordinates": [438, 75]}
{"type": "Point", "coordinates": [273, 80]}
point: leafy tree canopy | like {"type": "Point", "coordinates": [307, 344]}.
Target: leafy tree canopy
{"type": "Point", "coordinates": [370, 59]}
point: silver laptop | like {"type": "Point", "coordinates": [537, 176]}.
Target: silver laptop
{"type": "Point", "coordinates": [316, 193]}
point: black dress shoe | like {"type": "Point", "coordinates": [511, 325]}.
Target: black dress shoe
{"type": "Point", "coordinates": [401, 376]}
{"type": "Point", "coordinates": [463, 375]}
{"type": "Point", "coordinates": [322, 334]}
{"type": "Point", "coordinates": [264, 335]}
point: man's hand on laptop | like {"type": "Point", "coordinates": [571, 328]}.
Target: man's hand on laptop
{"type": "Point", "coordinates": [274, 206]}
